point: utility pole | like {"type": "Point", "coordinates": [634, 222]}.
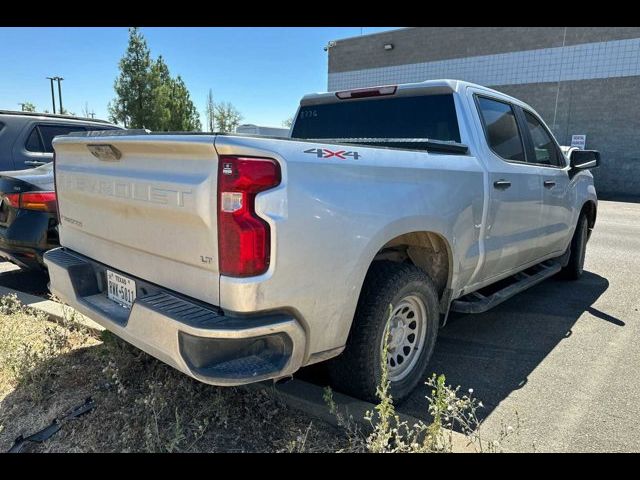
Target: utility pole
{"type": "Point", "coordinates": [53, 97]}
{"type": "Point", "coordinates": [59, 79]}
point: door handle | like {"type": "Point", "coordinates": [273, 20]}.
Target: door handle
{"type": "Point", "coordinates": [34, 163]}
{"type": "Point", "coordinates": [501, 184]}
{"type": "Point", "coordinates": [549, 183]}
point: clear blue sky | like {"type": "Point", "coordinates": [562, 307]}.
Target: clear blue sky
{"type": "Point", "coordinates": [262, 71]}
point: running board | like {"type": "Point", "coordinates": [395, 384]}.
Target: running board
{"type": "Point", "coordinates": [477, 302]}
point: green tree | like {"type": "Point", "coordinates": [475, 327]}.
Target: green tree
{"type": "Point", "coordinates": [210, 112]}
{"type": "Point", "coordinates": [147, 96]}
{"type": "Point", "coordinates": [161, 93]}
{"type": "Point", "coordinates": [133, 105]}
{"type": "Point", "coordinates": [183, 113]}
{"type": "Point", "coordinates": [227, 117]}
{"type": "Point", "coordinates": [28, 107]}
{"type": "Point", "coordinates": [288, 122]}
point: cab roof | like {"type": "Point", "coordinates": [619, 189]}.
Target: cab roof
{"type": "Point", "coordinates": [433, 87]}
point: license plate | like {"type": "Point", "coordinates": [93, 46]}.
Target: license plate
{"type": "Point", "coordinates": [121, 289]}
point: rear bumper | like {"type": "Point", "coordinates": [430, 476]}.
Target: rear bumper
{"type": "Point", "coordinates": [198, 339]}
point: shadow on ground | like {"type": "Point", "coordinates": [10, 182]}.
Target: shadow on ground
{"type": "Point", "coordinates": [493, 353]}
{"type": "Point", "coordinates": [619, 198]}
{"type": "Point", "coordinates": [27, 281]}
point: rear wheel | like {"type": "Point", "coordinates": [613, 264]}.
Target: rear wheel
{"type": "Point", "coordinates": [413, 328]}
{"type": "Point", "coordinates": [575, 266]}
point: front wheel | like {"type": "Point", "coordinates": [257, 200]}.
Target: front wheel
{"type": "Point", "coordinates": [578, 248]}
{"type": "Point", "coordinates": [413, 328]}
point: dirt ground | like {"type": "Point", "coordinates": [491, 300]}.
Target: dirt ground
{"type": "Point", "coordinates": [141, 404]}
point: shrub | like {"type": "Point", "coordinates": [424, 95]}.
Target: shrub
{"type": "Point", "coordinates": [390, 434]}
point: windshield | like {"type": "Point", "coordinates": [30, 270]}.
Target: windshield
{"type": "Point", "coordinates": [426, 116]}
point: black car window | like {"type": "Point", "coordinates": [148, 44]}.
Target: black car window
{"type": "Point", "coordinates": [33, 143]}
{"type": "Point", "coordinates": [501, 129]}
{"type": "Point", "coordinates": [48, 133]}
{"type": "Point", "coordinates": [544, 147]}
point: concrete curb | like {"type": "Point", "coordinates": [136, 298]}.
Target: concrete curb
{"type": "Point", "coordinates": [55, 310]}
{"type": "Point", "coordinates": [308, 398]}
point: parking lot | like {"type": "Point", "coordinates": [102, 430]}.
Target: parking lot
{"type": "Point", "coordinates": [563, 355]}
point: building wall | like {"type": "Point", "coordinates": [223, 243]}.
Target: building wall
{"type": "Point", "coordinates": [590, 86]}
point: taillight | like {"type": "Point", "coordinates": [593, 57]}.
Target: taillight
{"type": "Point", "coordinates": [39, 201]}
{"type": "Point", "coordinates": [244, 239]}
{"type": "Point", "coordinates": [12, 199]}
{"type": "Point", "coordinates": [55, 186]}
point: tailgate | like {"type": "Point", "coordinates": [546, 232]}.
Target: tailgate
{"type": "Point", "coordinates": [150, 214]}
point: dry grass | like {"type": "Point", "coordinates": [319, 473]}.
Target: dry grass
{"type": "Point", "coordinates": [141, 404]}
{"type": "Point", "coordinates": [144, 405]}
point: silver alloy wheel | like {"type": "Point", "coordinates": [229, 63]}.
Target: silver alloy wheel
{"type": "Point", "coordinates": [407, 333]}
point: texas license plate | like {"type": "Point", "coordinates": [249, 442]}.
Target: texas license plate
{"type": "Point", "coordinates": [121, 289]}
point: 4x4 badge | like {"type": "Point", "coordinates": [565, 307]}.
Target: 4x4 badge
{"type": "Point", "coordinates": [326, 153]}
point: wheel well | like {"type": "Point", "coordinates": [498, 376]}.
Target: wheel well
{"type": "Point", "coordinates": [426, 250]}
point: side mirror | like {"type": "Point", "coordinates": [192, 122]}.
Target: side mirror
{"type": "Point", "coordinates": [584, 159]}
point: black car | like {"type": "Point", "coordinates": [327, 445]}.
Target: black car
{"type": "Point", "coordinates": [28, 217]}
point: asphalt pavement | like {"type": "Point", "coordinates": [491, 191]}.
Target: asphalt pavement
{"type": "Point", "coordinates": [564, 355]}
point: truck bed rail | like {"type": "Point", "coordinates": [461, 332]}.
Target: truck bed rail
{"type": "Point", "coordinates": [405, 143]}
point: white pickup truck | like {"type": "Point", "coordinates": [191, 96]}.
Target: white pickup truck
{"type": "Point", "coordinates": [237, 259]}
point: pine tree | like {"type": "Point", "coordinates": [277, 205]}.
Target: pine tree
{"type": "Point", "coordinates": [134, 85]}
{"type": "Point", "coordinates": [147, 96]}
{"type": "Point", "coordinates": [184, 115]}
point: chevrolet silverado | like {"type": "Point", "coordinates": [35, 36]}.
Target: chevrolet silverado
{"type": "Point", "coordinates": [238, 258]}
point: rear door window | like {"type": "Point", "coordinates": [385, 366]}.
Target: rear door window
{"type": "Point", "coordinates": [501, 129]}
{"type": "Point", "coordinates": [49, 132]}
{"type": "Point", "coordinates": [41, 136]}
{"type": "Point", "coordinates": [34, 143]}
{"type": "Point", "coordinates": [427, 117]}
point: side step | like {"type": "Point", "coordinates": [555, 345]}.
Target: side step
{"type": "Point", "coordinates": [492, 295]}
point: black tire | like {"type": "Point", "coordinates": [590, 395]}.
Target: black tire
{"type": "Point", "coordinates": [574, 268]}
{"type": "Point", "coordinates": [358, 370]}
